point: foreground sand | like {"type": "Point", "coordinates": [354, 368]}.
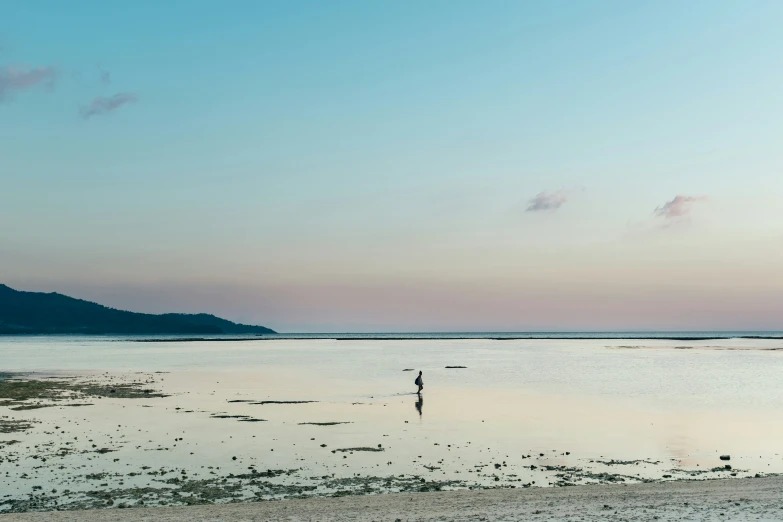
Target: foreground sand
{"type": "Point", "coordinates": [735, 499]}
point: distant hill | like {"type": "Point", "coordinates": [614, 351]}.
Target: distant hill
{"type": "Point", "coordinates": [53, 313]}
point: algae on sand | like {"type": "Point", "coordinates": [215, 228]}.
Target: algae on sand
{"type": "Point", "coordinates": [241, 418]}
{"type": "Point", "coordinates": [14, 426]}
{"type": "Point", "coordinates": [246, 487]}
{"type": "Point", "coordinates": [17, 391]}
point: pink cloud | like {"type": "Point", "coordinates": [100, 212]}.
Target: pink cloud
{"type": "Point", "coordinates": [678, 207]}
{"type": "Point", "coordinates": [22, 77]}
{"type": "Point", "coordinates": [547, 201]}
{"type": "Point", "coordinates": [101, 105]}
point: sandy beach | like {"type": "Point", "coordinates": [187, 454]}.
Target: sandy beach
{"type": "Point", "coordinates": [738, 499]}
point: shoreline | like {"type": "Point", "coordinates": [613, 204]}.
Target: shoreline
{"type": "Point", "coordinates": [445, 338]}
{"type": "Point", "coordinates": [736, 499]}
{"type": "Point", "coordinates": [413, 336]}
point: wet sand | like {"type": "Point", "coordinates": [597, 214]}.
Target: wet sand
{"type": "Point", "coordinates": [166, 439]}
{"type": "Point", "coordinates": [197, 424]}
{"type": "Point", "coordinates": [737, 499]}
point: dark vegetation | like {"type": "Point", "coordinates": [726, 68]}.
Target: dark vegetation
{"type": "Point", "coordinates": [53, 313]}
{"type": "Point", "coordinates": [24, 394]}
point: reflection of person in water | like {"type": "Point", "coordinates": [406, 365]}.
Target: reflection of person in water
{"type": "Point", "coordinates": [419, 404]}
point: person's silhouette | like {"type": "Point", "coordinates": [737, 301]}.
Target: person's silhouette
{"type": "Point", "coordinates": [419, 404]}
{"type": "Point", "coordinates": [419, 382]}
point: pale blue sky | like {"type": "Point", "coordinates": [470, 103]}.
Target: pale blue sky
{"type": "Point", "coordinates": [367, 165]}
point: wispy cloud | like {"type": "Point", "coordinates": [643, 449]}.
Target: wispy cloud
{"type": "Point", "coordinates": [101, 105]}
{"type": "Point", "coordinates": [17, 78]}
{"type": "Point", "coordinates": [679, 207]}
{"type": "Point", "coordinates": [548, 201]}
{"type": "Point", "coordinates": [105, 75]}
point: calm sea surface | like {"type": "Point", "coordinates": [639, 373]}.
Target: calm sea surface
{"type": "Point", "coordinates": [727, 372]}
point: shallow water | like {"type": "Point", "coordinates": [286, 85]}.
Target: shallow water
{"type": "Point", "coordinates": [675, 405]}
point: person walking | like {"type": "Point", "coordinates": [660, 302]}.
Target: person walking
{"type": "Point", "coordinates": [419, 382]}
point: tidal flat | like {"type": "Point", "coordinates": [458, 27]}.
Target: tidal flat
{"type": "Point", "coordinates": [91, 423]}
